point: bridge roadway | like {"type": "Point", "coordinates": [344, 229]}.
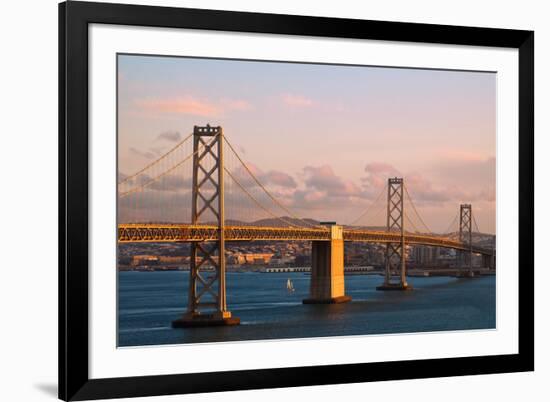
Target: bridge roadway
{"type": "Point", "coordinates": [156, 233]}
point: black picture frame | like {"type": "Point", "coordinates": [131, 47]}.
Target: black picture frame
{"type": "Point", "coordinates": [74, 18]}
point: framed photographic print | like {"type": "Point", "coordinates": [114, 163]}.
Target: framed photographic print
{"type": "Point", "coordinates": [258, 200]}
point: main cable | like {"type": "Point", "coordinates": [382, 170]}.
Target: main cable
{"type": "Point", "coordinates": [155, 161]}
{"type": "Point", "coordinates": [154, 179]}
{"type": "Point", "coordinates": [256, 201]}
{"type": "Point", "coordinates": [292, 215]}
{"type": "Point", "coordinates": [370, 205]}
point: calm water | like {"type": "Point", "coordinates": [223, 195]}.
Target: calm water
{"type": "Point", "coordinates": [149, 301]}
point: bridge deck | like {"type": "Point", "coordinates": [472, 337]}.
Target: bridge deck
{"type": "Point", "coordinates": [155, 233]}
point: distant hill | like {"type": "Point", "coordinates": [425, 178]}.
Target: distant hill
{"type": "Point", "coordinates": [271, 222]}
{"type": "Point", "coordinates": [357, 227]}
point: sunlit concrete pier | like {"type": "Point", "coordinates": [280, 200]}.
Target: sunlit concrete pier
{"type": "Point", "coordinates": [327, 284]}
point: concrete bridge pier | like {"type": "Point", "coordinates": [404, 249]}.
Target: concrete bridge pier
{"type": "Point", "coordinates": [327, 270]}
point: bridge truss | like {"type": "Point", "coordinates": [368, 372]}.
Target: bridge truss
{"type": "Point", "coordinates": [160, 233]}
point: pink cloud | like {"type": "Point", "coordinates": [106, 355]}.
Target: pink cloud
{"type": "Point", "coordinates": [377, 174]}
{"type": "Point", "coordinates": [272, 177]}
{"type": "Point", "coordinates": [461, 156]}
{"type": "Point", "coordinates": [296, 100]}
{"type": "Point", "coordinates": [192, 106]}
{"type": "Point", "coordinates": [423, 190]}
{"type": "Point", "coordinates": [487, 195]}
{"type": "Point", "coordinates": [170, 136]}
{"type": "Point", "coordinates": [184, 105]}
{"type": "Point", "coordinates": [323, 178]}
{"type": "Point", "coordinates": [279, 178]}
{"type": "Point", "coordinates": [310, 200]}
{"type": "Point", "coordinates": [143, 154]}
{"type": "Point", "coordinates": [314, 196]}
{"type": "Point", "coordinates": [231, 104]}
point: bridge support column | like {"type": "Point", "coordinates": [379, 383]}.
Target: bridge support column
{"type": "Point", "coordinates": [395, 252]}
{"type": "Point", "coordinates": [327, 284]}
{"type": "Point", "coordinates": [465, 260]}
{"type": "Point", "coordinates": [206, 305]}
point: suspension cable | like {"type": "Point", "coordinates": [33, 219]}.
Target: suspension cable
{"type": "Point", "coordinates": [292, 215]}
{"type": "Point", "coordinates": [451, 225]}
{"type": "Point", "coordinates": [475, 223]}
{"type": "Point", "coordinates": [155, 161]}
{"type": "Point", "coordinates": [154, 179]}
{"type": "Point", "coordinates": [256, 201]}
{"type": "Point", "coordinates": [411, 223]}
{"type": "Point", "coordinates": [414, 208]}
{"type": "Point", "coordinates": [370, 205]}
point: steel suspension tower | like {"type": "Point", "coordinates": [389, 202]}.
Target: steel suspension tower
{"type": "Point", "coordinates": [395, 252]}
{"type": "Point", "coordinates": [465, 235]}
{"type": "Point", "coordinates": [206, 304]}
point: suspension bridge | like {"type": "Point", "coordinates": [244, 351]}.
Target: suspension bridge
{"type": "Point", "coordinates": [201, 194]}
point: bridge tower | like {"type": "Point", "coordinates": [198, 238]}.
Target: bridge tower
{"type": "Point", "coordinates": [465, 236]}
{"type": "Point", "coordinates": [395, 252]}
{"type": "Point", "coordinates": [206, 305]}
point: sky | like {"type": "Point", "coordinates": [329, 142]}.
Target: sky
{"type": "Point", "coordinates": [324, 138]}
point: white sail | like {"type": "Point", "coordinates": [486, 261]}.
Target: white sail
{"type": "Point", "coordinates": [289, 285]}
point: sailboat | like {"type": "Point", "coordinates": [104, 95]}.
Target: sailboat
{"type": "Point", "coordinates": [289, 285]}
